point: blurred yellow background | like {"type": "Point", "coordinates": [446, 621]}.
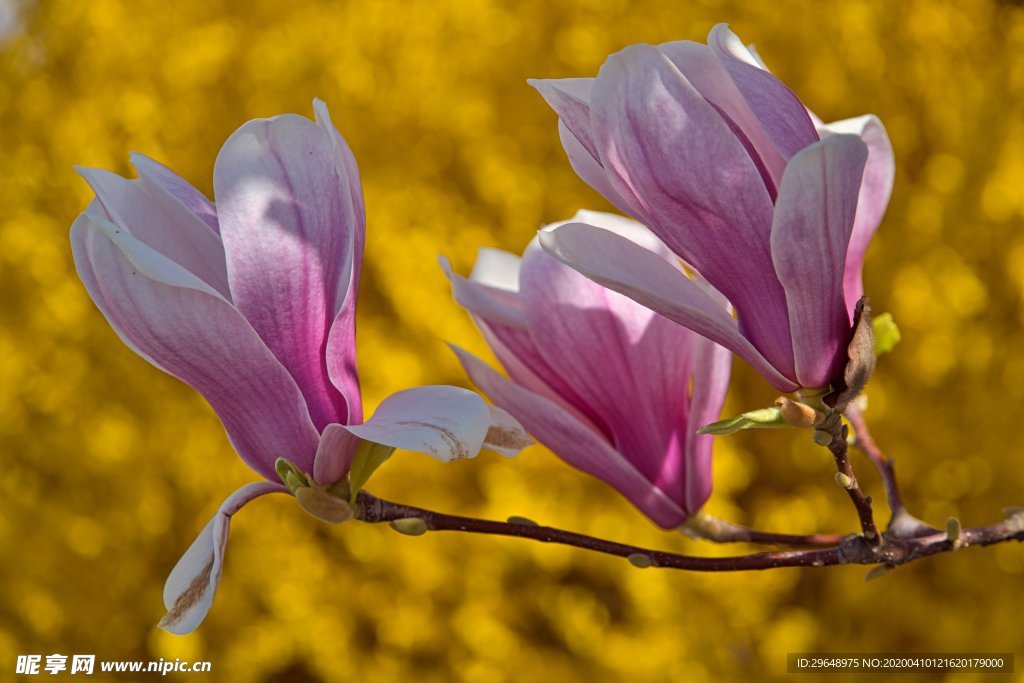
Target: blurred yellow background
{"type": "Point", "coordinates": [110, 468]}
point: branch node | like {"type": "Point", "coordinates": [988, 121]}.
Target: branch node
{"type": "Point", "coordinates": [640, 560]}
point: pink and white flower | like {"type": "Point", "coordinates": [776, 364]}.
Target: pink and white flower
{"type": "Point", "coordinates": [608, 385]}
{"type": "Point", "coordinates": [725, 164]}
{"type": "Point", "coordinates": [251, 301]}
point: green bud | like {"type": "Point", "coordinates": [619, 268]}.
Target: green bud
{"type": "Point", "coordinates": [843, 481]}
{"type": "Point", "coordinates": [821, 438]}
{"type": "Point", "coordinates": [293, 482]}
{"type": "Point", "coordinates": [763, 418]}
{"type": "Point", "coordinates": [887, 334]}
{"type": "Point", "coordinates": [953, 529]}
{"type": "Point", "coordinates": [410, 526]}
{"type": "Point", "coordinates": [878, 571]}
{"type": "Point", "coordinates": [521, 521]}
{"type": "Point", "coordinates": [640, 560]}
{"type": "Point", "coordinates": [290, 474]}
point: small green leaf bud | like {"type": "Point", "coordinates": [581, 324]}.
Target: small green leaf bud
{"type": "Point", "coordinates": [641, 560]}
{"type": "Point", "coordinates": [878, 571]}
{"type": "Point", "coordinates": [843, 481]}
{"type": "Point", "coordinates": [521, 521]}
{"type": "Point", "coordinates": [953, 529]}
{"type": "Point", "coordinates": [821, 438]}
{"type": "Point", "coordinates": [410, 526]}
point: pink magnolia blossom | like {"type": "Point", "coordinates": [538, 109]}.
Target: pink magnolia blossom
{"type": "Point", "coordinates": [252, 302]}
{"type": "Point", "coordinates": [723, 162]}
{"type": "Point", "coordinates": [602, 381]}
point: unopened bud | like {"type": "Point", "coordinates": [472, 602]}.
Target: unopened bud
{"type": "Point", "coordinates": [521, 521]}
{"type": "Point", "coordinates": [290, 474]}
{"type": "Point", "coordinates": [641, 560]}
{"type": "Point", "coordinates": [410, 526]}
{"type": "Point", "coordinates": [878, 571]}
{"type": "Point", "coordinates": [953, 529]}
{"type": "Point", "coordinates": [798, 414]}
{"type": "Point", "coordinates": [822, 438]}
{"type": "Point", "coordinates": [844, 481]}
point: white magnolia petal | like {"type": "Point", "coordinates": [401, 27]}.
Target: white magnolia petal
{"type": "Point", "coordinates": [444, 422]}
{"type": "Point", "coordinates": [505, 435]}
{"type": "Point", "coordinates": [189, 591]}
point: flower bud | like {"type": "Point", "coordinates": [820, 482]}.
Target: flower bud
{"type": "Point", "coordinates": [410, 526]}
{"type": "Point", "coordinates": [798, 414]}
{"type": "Point", "coordinates": [640, 560]}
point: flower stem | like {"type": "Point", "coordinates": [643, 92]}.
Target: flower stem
{"type": "Point", "coordinates": [902, 522]}
{"type": "Point", "coordinates": [838, 432]}
{"type": "Point", "coordinates": [891, 551]}
{"type": "Point", "coordinates": [709, 528]}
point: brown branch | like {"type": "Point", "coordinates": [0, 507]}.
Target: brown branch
{"type": "Point", "coordinates": [901, 523]}
{"type": "Point", "coordinates": [836, 433]}
{"type": "Point", "coordinates": [889, 551]}
{"type": "Point", "coordinates": [706, 527]}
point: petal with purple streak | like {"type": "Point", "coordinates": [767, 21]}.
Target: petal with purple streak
{"type": "Point", "coordinates": [184, 327]}
{"type": "Point", "coordinates": [813, 222]}
{"type": "Point", "coordinates": [341, 340]}
{"type": "Point", "coordinates": [703, 195]}
{"type": "Point", "coordinates": [158, 176]}
{"type": "Point", "coordinates": [574, 442]}
{"type": "Point", "coordinates": [161, 222]}
{"type": "Point", "coordinates": [645, 277]}
{"type": "Point", "coordinates": [879, 173]}
{"type": "Point", "coordinates": [627, 363]}
{"type": "Point", "coordinates": [287, 224]}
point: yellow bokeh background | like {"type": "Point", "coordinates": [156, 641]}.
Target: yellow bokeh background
{"type": "Point", "coordinates": [110, 468]}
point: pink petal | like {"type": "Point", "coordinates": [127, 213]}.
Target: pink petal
{"type": "Point", "coordinates": [648, 279]}
{"type": "Point", "coordinates": [527, 368]}
{"type": "Point", "coordinates": [629, 365]}
{"type": "Point", "coordinates": [724, 42]}
{"type": "Point", "coordinates": [780, 112]}
{"type": "Point", "coordinates": [189, 591]}
{"type": "Point", "coordinates": [287, 223]}
{"type": "Point", "coordinates": [159, 177]}
{"type": "Point", "coordinates": [444, 422]}
{"type": "Point", "coordinates": [813, 222]}
{"type": "Point", "coordinates": [702, 194]}
{"type": "Point", "coordinates": [574, 442]}
{"type": "Point", "coordinates": [498, 313]}
{"type": "Point", "coordinates": [184, 327]}
{"type": "Point", "coordinates": [704, 70]}
{"type": "Point", "coordinates": [334, 454]}
{"type": "Point", "coordinates": [875, 189]}
{"type": "Point", "coordinates": [590, 171]}
{"type": "Point", "coordinates": [496, 304]}
{"type": "Point", "coordinates": [157, 219]}
{"type": "Point", "coordinates": [710, 382]}
{"type": "Point", "coordinates": [341, 340]}
{"type": "Point", "coordinates": [570, 98]}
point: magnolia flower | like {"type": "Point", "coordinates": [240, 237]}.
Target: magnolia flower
{"type": "Point", "coordinates": [252, 302]}
{"type": "Point", "coordinates": [722, 161]}
{"type": "Point", "coordinates": [600, 380]}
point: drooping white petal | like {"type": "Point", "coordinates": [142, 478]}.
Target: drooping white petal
{"type": "Point", "coordinates": [189, 591]}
